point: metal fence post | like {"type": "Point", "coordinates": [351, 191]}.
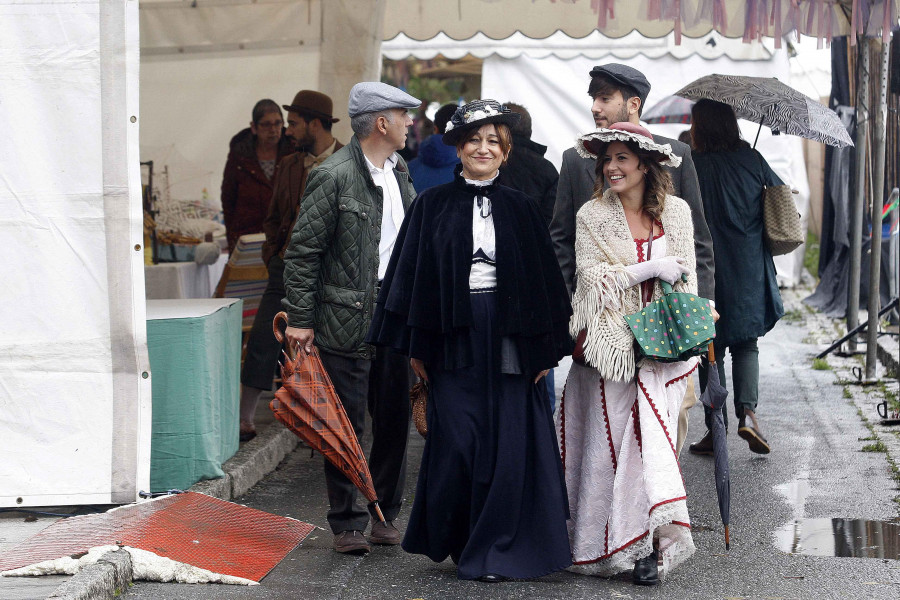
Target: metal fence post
{"type": "Point", "coordinates": [877, 205]}
{"type": "Point", "coordinates": [859, 199]}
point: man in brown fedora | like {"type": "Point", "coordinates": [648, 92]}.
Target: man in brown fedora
{"type": "Point", "coordinates": [309, 129]}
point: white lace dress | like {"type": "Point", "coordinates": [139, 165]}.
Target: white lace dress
{"type": "Point", "coordinates": [617, 440]}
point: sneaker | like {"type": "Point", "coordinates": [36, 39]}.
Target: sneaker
{"type": "Point", "coordinates": [384, 533]}
{"type": "Point", "coordinates": [351, 542]}
{"type": "Point", "coordinates": [704, 447]}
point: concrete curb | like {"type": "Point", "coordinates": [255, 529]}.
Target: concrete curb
{"type": "Point", "coordinates": [255, 459]}
{"type": "Point", "coordinates": [107, 578]}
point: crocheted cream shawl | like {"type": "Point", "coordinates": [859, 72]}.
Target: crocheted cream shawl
{"type": "Point", "coordinates": [603, 248]}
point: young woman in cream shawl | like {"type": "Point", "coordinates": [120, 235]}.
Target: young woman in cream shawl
{"type": "Point", "coordinates": [618, 417]}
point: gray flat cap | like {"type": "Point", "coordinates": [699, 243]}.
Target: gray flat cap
{"type": "Point", "coordinates": [374, 96]}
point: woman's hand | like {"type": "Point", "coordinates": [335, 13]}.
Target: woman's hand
{"type": "Point", "coordinates": [541, 375]}
{"type": "Point", "coordinates": [715, 314]}
{"type": "Point", "coordinates": [670, 268]}
{"type": "Point", "coordinates": [418, 368]}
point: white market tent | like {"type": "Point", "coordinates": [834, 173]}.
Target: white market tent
{"type": "Point", "coordinates": [90, 88]}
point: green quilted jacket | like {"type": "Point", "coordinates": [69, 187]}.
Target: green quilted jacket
{"type": "Point", "coordinates": [331, 261]}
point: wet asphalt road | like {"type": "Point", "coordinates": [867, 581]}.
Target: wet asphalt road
{"type": "Point", "coordinates": [816, 470]}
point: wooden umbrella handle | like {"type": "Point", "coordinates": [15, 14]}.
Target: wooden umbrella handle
{"type": "Point", "coordinates": [282, 316]}
{"type": "Point", "coordinates": [712, 353]}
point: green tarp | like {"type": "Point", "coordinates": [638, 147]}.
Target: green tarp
{"type": "Point", "coordinates": [195, 356]}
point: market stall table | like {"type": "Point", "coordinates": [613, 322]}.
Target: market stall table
{"type": "Point", "coordinates": [182, 279]}
{"type": "Point", "coordinates": [195, 353]}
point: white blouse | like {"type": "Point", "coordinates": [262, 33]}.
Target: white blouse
{"type": "Point", "coordinates": [483, 274]}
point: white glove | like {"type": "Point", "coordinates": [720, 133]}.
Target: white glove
{"type": "Point", "coordinates": [667, 268]}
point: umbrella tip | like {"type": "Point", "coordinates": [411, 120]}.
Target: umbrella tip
{"type": "Point", "coordinates": [727, 538]}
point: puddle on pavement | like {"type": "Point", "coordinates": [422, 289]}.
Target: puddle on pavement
{"type": "Point", "coordinates": [840, 537]}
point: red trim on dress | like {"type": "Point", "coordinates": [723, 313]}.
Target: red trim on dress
{"type": "Point", "coordinates": [612, 448]}
{"type": "Point", "coordinates": [658, 418]}
{"type": "Point", "coordinates": [619, 549]}
{"type": "Point", "coordinates": [634, 540]}
{"type": "Point", "coordinates": [655, 237]}
{"type": "Point", "coordinates": [664, 502]}
{"type": "Point", "coordinates": [639, 244]}
{"type": "Point", "coordinates": [636, 419]}
{"type": "Point", "coordinates": [680, 377]}
{"type": "Point", "coordinates": [562, 425]}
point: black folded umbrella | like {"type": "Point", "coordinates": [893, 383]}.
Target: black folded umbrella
{"type": "Point", "coordinates": [714, 397]}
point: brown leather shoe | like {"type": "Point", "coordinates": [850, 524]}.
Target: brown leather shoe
{"type": "Point", "coordinates": [704, 447]}
{"type": "Point", "coordinates": [351, 542]}
{"type": "Point", "coordinates": [754, 437]}
{"type": "Point", "coordinates": [385, 534]}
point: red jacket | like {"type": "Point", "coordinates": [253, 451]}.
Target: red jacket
{"type": "Point", "coordinates": [246, 191]}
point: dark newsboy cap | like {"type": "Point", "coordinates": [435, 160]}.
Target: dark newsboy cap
{"type": "Point", "coordinates": [311, 103]}
{"type": "Point", "coordinates": [624, 75]}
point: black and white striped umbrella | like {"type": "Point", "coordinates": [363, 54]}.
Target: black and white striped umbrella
{"type": "Point", "coordinates": [769, 102]}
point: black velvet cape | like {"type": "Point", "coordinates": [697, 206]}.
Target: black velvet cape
{"type": "Point", "coordinates": [423, 308]}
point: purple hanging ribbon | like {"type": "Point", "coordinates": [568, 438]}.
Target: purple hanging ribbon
{"type": "Point", "coordinates": [602, 7]}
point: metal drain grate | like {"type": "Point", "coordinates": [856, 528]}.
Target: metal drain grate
{"type": "Point", "coordinates": [192, 528]}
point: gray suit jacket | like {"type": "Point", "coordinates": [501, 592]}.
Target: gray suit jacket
{"type": "Point", "coordinates": [576, 186]}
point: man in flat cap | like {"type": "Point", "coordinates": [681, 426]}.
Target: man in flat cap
{"type": "Point", "coordinates": [349, 218]}
{"type": "Point", "coordinates": [618, 93]}
{"type": "Point", "coordinates": [309, 129]}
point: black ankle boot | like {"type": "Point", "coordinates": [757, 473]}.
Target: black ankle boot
{"type": "Point", "coordinates": [645, 571]}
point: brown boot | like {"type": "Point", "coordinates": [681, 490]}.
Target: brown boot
{"type": "Point", "coordinates": [704, 447]}
{"type": "Point", "coordinates": [752, 434]}
{"type": "Point", "coordinates": [351, 542]}
{"type": "Point", "coordinates": [384, 533]}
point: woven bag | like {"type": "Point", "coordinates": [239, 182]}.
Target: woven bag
{"type": "Point", "coordinates": [784, 231]}
{"type": "Point", "coordinates": [418, 398]}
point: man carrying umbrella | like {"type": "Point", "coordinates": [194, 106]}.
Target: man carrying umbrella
{"type": "Point", "coordinates": [349, 218]}
{"type": "Point", "coordinates": [619, 92]}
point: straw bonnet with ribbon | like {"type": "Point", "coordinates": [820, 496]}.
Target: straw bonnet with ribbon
{"type": "Point", "coordinates": [475, 114]}
{"type": "Point", "coordinates": [588, 145]}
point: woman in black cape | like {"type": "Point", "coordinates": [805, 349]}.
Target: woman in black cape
{"type": "Point", "coordinates": [474, 296]}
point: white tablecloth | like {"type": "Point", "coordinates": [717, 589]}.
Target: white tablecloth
{"type": "Point", "coordinates": [183, 279]}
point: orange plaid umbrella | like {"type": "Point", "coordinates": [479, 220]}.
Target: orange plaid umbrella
{"type": "Point", "coordinates": [308, 405]}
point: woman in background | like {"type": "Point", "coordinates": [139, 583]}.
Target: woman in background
{"type": "Point", "coordinates": [250, 171]}
{"type": "Point", "coordinates": [732, 176]}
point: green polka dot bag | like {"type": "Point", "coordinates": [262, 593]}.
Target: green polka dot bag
{"type": "Point", "coordinates": [674, 327]}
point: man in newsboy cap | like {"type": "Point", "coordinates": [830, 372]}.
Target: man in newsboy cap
{"type": "Point", "coordinates": [337, 256]}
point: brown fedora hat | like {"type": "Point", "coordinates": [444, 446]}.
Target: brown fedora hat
{"type": "Point", "coordinates": [315, 104]}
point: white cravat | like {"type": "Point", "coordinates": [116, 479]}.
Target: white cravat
{"type": "Point", "coordinates": [483, 274]}
{"type": "Point", "coordinates": [391, 209]}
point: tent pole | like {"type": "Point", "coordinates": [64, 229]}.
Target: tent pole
{"type": "Point", "coordinates": [877, 204]}
{"type": "Point", "coordinates": [859, 199]}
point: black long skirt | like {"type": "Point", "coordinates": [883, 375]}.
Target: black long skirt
{"type": "Point", "coordinates": [491, 490]}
